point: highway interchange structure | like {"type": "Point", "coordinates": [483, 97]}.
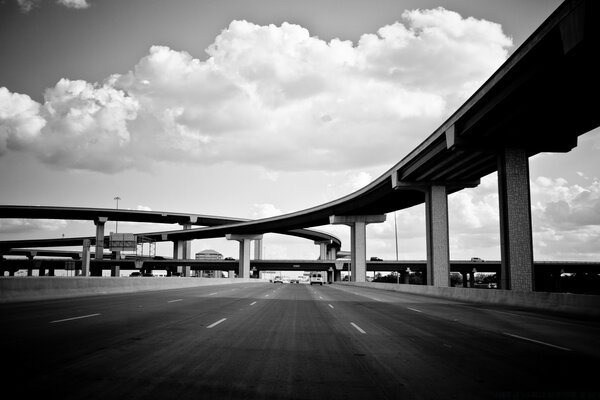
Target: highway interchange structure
{"type": "Point", "coordinates": [538, 101]}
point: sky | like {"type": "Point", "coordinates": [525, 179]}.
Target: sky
{"type": "Point", "coordinates": [252, 109]}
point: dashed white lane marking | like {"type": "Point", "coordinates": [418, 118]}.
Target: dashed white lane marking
{"type": "Point", "coordinates": [216, 323]}
{"type": "Point", "coordinates": [358, 328]}
{"type": "Point", "coordinates": [71, 319]}
{"type": "Point", "coordinates": [173, 301]}
{"type": "Point", "coordinates": [330, 305]}
{"type": "Point", "coordinates": [321, 297]}
{"type": "Point", "coordinates": [414, 309]}
{"type": "Point", "coordinates": [266, 295]}
{"type": "Point", "coordinates": [536, 341]}
{"type": "Point", "coordinates": [253, 303]}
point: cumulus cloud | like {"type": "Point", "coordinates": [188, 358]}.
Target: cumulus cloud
{"type": "Point", "coordinates": [28, 5]}
{"type": "Point", "coordinates": [20, 121]}
{"type": "Point", "coordinates": [264, 210]}
{"type": "Point", "coordinates": [270, 96]}
{"type": "Point", "coordinates": [78, 4]}
{"type": "Point", "coordinates": [19, 225]}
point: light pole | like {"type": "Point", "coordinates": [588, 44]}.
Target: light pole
{"type": "Point", "coordinates": [117, 222]}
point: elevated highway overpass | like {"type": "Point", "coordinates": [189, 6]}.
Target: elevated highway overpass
{"type": "Point", "coordinates": [537, 101]}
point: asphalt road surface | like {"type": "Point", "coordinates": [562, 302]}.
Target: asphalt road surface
{"type": "Point", "coordinates": [289, 341]}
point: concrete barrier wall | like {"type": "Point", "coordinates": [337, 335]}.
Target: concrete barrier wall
{"type": "Point", "coordinates": [581, 304]}
{"type": "Point", "coordinates": [13, 289]}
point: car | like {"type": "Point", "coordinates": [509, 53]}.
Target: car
{"type": "Point", "coordinates": [316, 278]}
{"type": "Point", "coordinates": [376, 259]}
{"type": "Point", "coordinates": [277, 279]}
{"type": "Point", "coordinates": [294, 280]}
{"type": "Point", "coordinates": [134, 274]}
{"type": "Point", "coordinates": [148, 274]}
{"type": "Point", "coordinates": [476, 259]}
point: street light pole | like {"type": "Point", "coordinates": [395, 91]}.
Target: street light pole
{"type": "Point", "coordinates": [117, 222]}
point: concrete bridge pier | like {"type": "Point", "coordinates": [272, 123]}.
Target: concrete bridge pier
{"type": "Point", "coordinates": [516, 271]}
{"type": "Point", "coordinates": [182, 250]}
{"type": "Point", "coordinates": [358, 239]}
{"type": "Point", "coordinates": [437, 236]}
{"type": "Point", "coordinates": [30, 257]}
{"type": "Point", "coordinates": [85, 258]}
{"type": "Point", "coordinates": [244, 259]}
{"type": "Point", "coordinates": [337, 275]}
{"type": "Point", "coordinates": [258, 249]}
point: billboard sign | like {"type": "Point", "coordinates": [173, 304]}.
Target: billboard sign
{"type": "Point", "coordinates": [123, 242]}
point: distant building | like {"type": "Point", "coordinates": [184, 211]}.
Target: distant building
{"type": "Point", "coordinates": [209, 254]}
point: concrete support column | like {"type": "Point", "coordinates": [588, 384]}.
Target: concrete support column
{"type": "Point", "coordinates": [100, 237]}
{"type": "Point", "coordinates": [182, 249]}
{"type": "Point", "coordinates": [472, 279]}
{"type": "Point", "coordinates": [358, 239]}
{"type": "Point", "coordinates": [323, 249]}
{"type": "Point", "coordinates": [244, 260]}
{"type": "Point", "coordinates": [115, 270]}
{"type": "Point", "coordinates": [31, 263]}
{"type": "Point", "coordinates": [85, 258]}
{"type": "Point", "coordinates": [516, 241]}
{"type": "Point", "coordinates": [258, 249]}
{"type": "Point", "coordinates": [337, 275]}
{"type": "Point", "coordinates": [438, 248]}
{"type": "Point", "coordinates": [332, 253]}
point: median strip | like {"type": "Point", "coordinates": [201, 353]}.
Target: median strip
{"type": "Point", "coordinates": [71, 319]}
{"type": "Point", "coordinates": [536, 341]}
{"type": "Point", "coordinates": [216, 323]}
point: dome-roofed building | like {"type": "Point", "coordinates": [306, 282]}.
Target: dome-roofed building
{"type": "Point", "coordinates": [209, 254]}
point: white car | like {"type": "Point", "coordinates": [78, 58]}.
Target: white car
{"type": "Point", "coordinates": [277, 280]}
{"type": "Point", "coordinates": [316, 278]}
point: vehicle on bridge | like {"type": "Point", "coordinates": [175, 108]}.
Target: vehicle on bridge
{"type": "Point", "coordinates": [316, 278]}
{"type": "Point", "coordinates": [277, 279]}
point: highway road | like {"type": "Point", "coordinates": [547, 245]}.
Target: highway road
{"type": "Point", "coordinates": [288, 341]}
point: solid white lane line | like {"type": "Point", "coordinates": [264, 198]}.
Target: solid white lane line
{"type": "Point", "coordinates": [212, 294]}
{"type": "Point", "coordinates": [537, 341]}
{"type": "Point", "coordinates": [358, 328]}
{"type": "Point", "coordinates": [253, 303]}
{"type": "Point", "coordinates": [330, 305]}
{"type": "Point", "coordinates": [216, 323]}
{"type": "Point", "coordinates": [414, 309]}
{"type": "Point", "coordinates": [173, 301]}
{"type": "Point", "coordinates": [71, 319]}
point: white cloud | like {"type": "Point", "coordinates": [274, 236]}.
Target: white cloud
{"type": "Point", "coordinates": [19, 225]}
{"type": "Point", "coordinates": [78, 4]}
{"type": "Point", "coordinates": [271, 96]}
{"type": "Point", "coordinates": [264, 210]}
{"type": "Point", "coordinates": [20, 122]}
{"type": "Point", "coordinates": [28, 5]}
